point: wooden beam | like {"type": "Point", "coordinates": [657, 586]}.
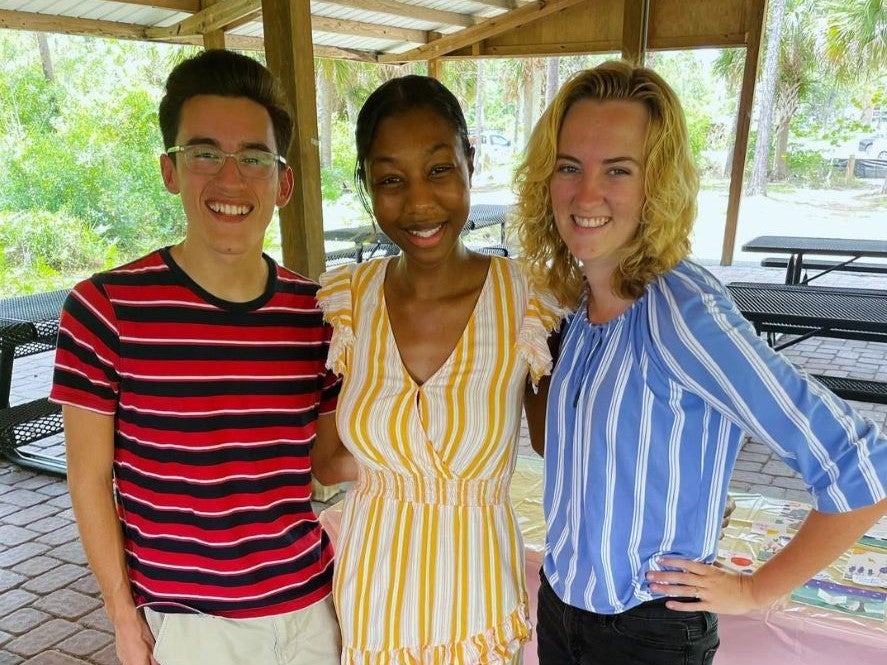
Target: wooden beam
{"type": "Point", "coordinates": [435, 68]}
{"type": "Point", "coordinates": [288, 48]}
{"type": "Point", "coordinates": [719, 40]}
{"type": "Point", "coordinates": [635, 25]}
{"type": "Point", "coordinates": [538, 50]}
{"type": "Point", "coordinates": [214, 38]}
{"type": "Point", "coordinates": [190, 6]}
{"type": "Point", "coordinates": [483, 30]}
{"type": "Point", "coordinates": [498, 4]}
{"type": "Point", "coordinates": [757, 15]}
{"type": "Point", "coordinates": [15, 20]}
{"type": "Point", "coordinates": [114, 30]}
{"type": "Point", "coordinates": [404, 10]}
{"type": "Point", "coordinates": [345, 54]}
{"type": "Point", "coordinates": [249, 18]}
{"type": "Point", "coordinates": [341, 26]}
{"type": "Point", "coordinates": [215, 17]}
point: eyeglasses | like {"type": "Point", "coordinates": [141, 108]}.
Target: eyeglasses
{"type": "Point", "coordinates": [208, 160]}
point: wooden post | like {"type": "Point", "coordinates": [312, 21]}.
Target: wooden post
{"type": "Point", "coordinates": [851, 168]}
{"type": "Point", "coordinates": [635, 24]}
{"type": "Point", "coordinates": [290, 54]}
{"type": "Point", "coordinates": [435, 68]}
{"type": "Point", "coordinates": [757, 17]}
{"type": "Point", "coordinates": [215, 38]}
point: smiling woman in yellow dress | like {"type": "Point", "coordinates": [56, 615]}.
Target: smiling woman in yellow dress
{"type": "Point", "coordinates": [435, 346]}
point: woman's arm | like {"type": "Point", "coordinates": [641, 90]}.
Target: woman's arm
{"type": "Point", "coordinates": [331, 462]}
{"type": "Point", "coordinates": [534, 408]}
{"type": "Point", "coordinates": [535, 400]}
{"type": "Point", "coordinates": [822, 538]}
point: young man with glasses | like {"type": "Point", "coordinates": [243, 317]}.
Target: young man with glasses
{"type": "Point", "coordinates": [193, 387]}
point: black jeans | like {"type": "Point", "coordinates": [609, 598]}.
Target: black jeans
{"type": "Point", "coordinates": [649, 634]}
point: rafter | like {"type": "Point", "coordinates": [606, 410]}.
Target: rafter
{"type": "Point", "coordinates": [497, 4]}
{"type": "Point", "coordinates": [404, 10]}
{"type": "Point", "coordinates": [17, 20]}
{"type": "Point", "coordinates": [214, 17]}
{"type": "Point", "coordinates": [483, 30]}
{"type": "Point", "coordinates": [192, 6]}
{"type": "Point", "coordinates": [337, 53]}
{"type": "Point", "coordinates": [341, 26]}
{"type": "Point", "coordinates": [249, 18]}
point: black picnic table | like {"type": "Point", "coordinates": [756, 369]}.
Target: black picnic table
{"type": "Point", "coordinates": [805, 311]}
{"type": "Point", "coordinates": [28, 325]}
{"type": "Point", "coordinates": [797, 247]}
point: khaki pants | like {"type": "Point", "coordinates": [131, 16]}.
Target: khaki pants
{"type": "Point", "coordinates": [307, 637]}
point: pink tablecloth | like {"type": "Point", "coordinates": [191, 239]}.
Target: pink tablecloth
{"type": "Point", "coordinates": [788, 634]}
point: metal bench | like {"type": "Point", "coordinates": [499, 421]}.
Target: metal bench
{"type": "Point", "coordinates": [809, 311]}
{"type": "Point", "coordinates": [23, 425]}
{"type": "Point", "coordinates": [826, 265]}
{"type": "Point", "coordinates": [804, 311]}
{"type": "Point", "coordinates": [29, 325]}
{"type": "Point", "coordinates": [861, 390]}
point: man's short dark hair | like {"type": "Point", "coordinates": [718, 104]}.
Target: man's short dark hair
{"type": "Point", "coordinates": [227, 74]}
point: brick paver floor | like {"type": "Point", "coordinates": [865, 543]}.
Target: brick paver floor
{"type": "Point", "coordinates": [50, 611]}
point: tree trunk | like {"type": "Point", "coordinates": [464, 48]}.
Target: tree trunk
{"type": "Point", "coordinates": [45, 56]}
{"type": "Point", "coordinates": [325, 98]}
{"type": "Point", "coordinates": [527, 95]}
{"type": "Point", "coordinates": [757, 184]}
{"type": "Point", "coordinates": [787, 106]}
{"type": "Point", "coordinates": [781, 165]}
{"type": "Point", "coordinates": [480, 161]}
{"type": "Point", "coordinates": [552, 80]}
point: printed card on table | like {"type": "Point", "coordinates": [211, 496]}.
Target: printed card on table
{"type": "Point", "coordinates": [876, 536]}
{"type": "Point", "coordinates": [784, 518]}
{"type": "Point", "coordinates": [821, 593]}
{"type": "Point", "coordinates": [866, 567]}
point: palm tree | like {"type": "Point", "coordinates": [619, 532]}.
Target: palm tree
{"type": "Point", "coordinates": [856, 36]}
{"type": "Point", "coordinates": [757, 183]}
{"type": "Point", "coordinates": [856, 39]}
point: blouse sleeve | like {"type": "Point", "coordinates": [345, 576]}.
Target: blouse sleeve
{"type": "Point", "coordinates": [543, 315]}
{"type": "Point", "coordinates": [334, 298]}
{"type": "Point", "coordinates": [710, 348]}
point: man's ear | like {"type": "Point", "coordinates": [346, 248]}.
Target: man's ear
{"type": "Point", "coordinates": [286, 180]}
{"type": "Point", "coordinates": [170, 176]}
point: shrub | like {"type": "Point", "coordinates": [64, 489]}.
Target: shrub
{"type": "Point", "coordinates": [51, 247]}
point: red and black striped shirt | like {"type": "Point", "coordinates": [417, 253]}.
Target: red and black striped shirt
{"type": "Point", "coordinates": [216, 405]}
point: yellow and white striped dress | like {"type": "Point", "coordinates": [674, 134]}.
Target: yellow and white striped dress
{"type": "Point", "coordinates": [429, 564]}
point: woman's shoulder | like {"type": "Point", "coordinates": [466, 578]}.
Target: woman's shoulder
{"type": "Point", "coordinates": [691, 294]}
{"type": "Point", "coordinates": [688, 280]}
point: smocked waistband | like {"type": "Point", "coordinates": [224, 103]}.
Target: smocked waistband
{"type": "Point", "coordinates": [432, 489]}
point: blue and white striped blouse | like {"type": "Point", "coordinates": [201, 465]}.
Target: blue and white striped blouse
{"type": "Point", "coordinates": [645, 419]}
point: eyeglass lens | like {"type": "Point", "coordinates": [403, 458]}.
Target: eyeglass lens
{"type": "Point", "coordinates": [208, 160]}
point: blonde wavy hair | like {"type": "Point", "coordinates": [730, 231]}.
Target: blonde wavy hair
{"type": "Point", "coordinates": [671, 183]}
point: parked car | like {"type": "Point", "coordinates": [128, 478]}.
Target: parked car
{"type": "Point", "coordinates": [491, 144]}
{"type": "Point", "coordinates": [874, 147]}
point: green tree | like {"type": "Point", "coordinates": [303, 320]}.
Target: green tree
{"type": "Point", "coordinates": [856, 39]}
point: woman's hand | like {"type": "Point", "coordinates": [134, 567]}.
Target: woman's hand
{"type": "Point", "coordinates": [715, 588]}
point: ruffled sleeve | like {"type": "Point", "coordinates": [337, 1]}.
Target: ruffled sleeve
{"type": "Point", "coordinates": [334, 298]}
{"type": "Point", "coordinates": [543, 315]}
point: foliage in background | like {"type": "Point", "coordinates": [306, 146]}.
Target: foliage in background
{"type": "Point", "coordinates": [81, 156]}
{"type": "Point", "coordinates": [82, 146]}
{"type": "Point", "coordinates": [42, 249]}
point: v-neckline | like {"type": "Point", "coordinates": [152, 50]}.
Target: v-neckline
{"type": "Point", "coordinates": [392, 339]}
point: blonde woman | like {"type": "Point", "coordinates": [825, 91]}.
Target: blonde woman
{"type": "Point", "coordinates": [658, 376]}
